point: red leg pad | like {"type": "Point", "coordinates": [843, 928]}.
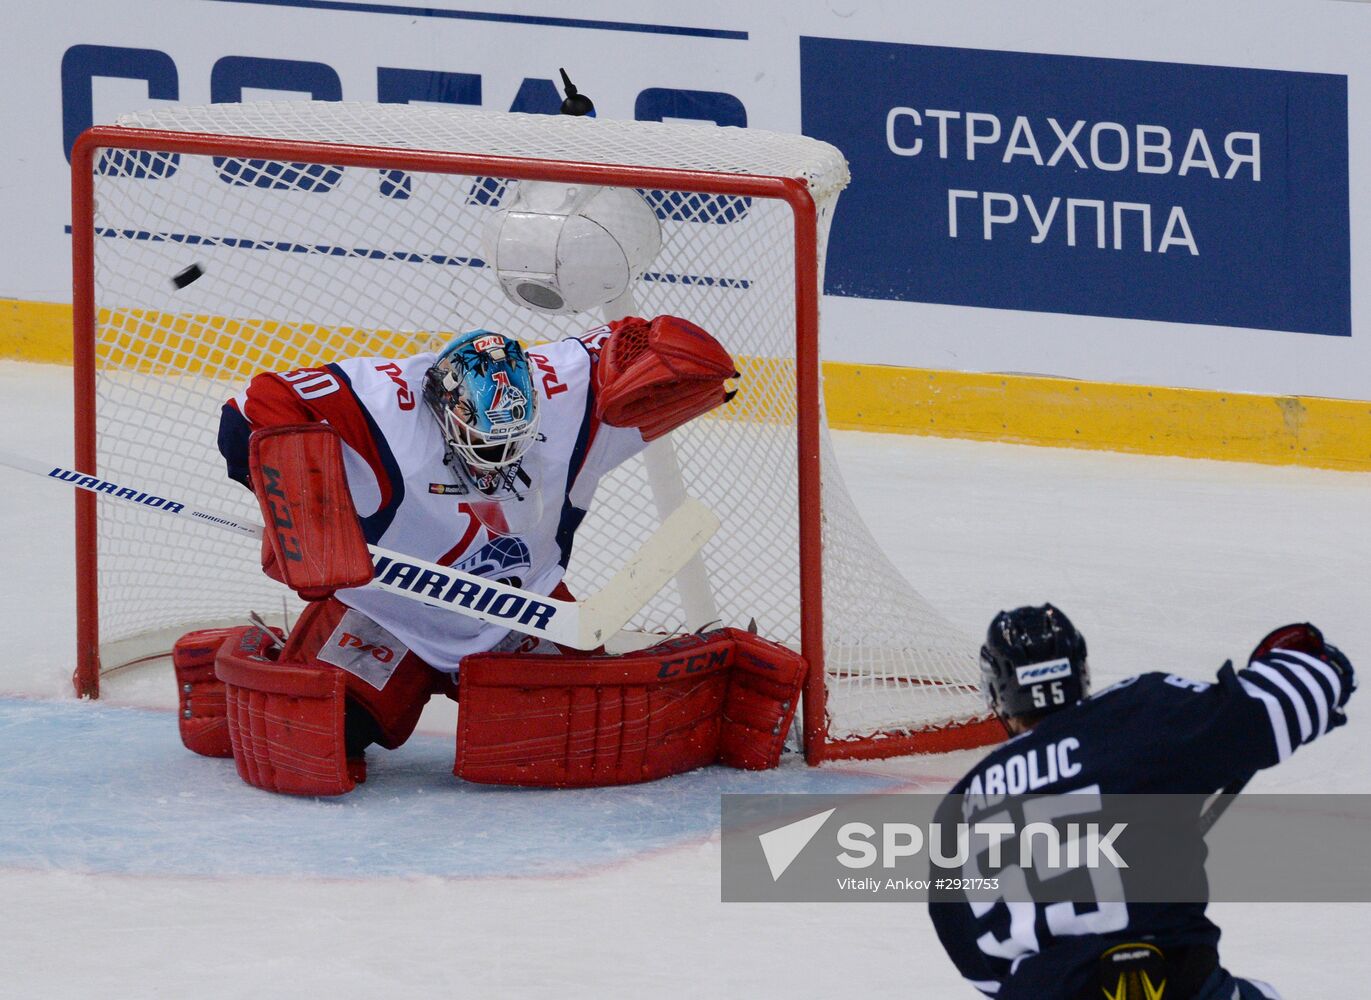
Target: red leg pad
{"type": "Point", "coordinates": [202, 712]}
{"type": "Point", "coordinates": [761, 703]}
{"type": "Point", "coordinates": [395, 707]}
{"type": "Point", "coordinates": [285, 721]}
{"type": "Point", "coordinates": [592, 720]}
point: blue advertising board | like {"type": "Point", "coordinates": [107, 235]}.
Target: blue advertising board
{"type": "Point", "coordinates": [1101, 187]}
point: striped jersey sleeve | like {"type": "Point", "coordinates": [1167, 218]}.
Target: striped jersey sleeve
{"type": "Point", "coordinates": [1301, 695]}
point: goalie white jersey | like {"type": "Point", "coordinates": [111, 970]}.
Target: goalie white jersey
{"type": "Point", "coordinates": [410, 501]}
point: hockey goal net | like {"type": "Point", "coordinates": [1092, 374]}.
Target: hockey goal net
{"type": "Point", "coordinates": [333, 230]}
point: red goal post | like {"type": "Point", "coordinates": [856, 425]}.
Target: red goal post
{"type": "Point", "coordinates": [276, 198]}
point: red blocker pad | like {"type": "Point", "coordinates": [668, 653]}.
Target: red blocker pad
{"type": "Point", "coordinates": [285, 721]}
{"type": "Point", "coordinates": [202, 712]}
{"type": "Point", "coordinates": [314, 542]}
{"type": "Point", "coordinates": [657, 376]}
{"type": "Point", "coordinates": [723, 697]}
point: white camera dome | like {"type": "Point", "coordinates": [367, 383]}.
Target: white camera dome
{"type": "Point", "coordinates": [564, 248]}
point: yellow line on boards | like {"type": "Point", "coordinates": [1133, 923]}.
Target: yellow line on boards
{"type": "Point", "coordinates": [35, 331]}
{"type": "Point", "coordinates": [1148, 420]}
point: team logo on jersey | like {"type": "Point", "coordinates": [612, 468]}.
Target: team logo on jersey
{"type": "Point", "coordinates": [1049, 670]}
{"type": "Point", "coordinates": [363, 648]}
{"type": "Point", "coordinates": [505, 557]}
{"type": "Point", "coordinates": [379, 652]}
{"type": "Point", "coordinates": [403, 395]}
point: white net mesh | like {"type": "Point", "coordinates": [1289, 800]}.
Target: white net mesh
{"type": "Point", "coordinates": [306, 262]}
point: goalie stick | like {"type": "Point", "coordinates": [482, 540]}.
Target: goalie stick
{"type": "Point", "coordinates": [579, 624]}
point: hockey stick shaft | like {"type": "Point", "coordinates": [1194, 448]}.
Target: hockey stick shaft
{"type": "Point", "coordinates": [580, 625]}
{"type": "Point", "coordinates": [129, 494]}
{"type": "Point", "coordinates": [1227, 794]}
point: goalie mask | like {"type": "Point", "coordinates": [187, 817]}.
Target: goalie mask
{"type": "Point", "coordinates": [481, 392]}
{"type": "Point", "coordinates": [1033, 662]}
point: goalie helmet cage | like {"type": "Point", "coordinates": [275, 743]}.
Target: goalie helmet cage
{"type": "Point", "coordinates": [332, 230]}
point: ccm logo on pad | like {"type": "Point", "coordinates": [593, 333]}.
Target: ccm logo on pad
{"type": "Point", "coordinates": [693, 664]}
{"type": "Point", "coordinates": [280, 515]}
{"type": "Point", "coordinates": [1049, 670]}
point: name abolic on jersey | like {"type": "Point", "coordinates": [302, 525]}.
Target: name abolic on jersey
{"type": "Point", "coordinates": [408, 500]}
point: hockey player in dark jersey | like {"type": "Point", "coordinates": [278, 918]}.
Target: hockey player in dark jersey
{"type": "Point", "coordinates": [1154, 733]}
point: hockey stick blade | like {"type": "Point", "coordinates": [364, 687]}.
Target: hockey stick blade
{"type": "Point", "coordinates": [577, 624]}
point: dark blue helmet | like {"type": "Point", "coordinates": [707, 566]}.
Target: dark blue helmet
{"type": "Point", "coordinates": [1033, 662]}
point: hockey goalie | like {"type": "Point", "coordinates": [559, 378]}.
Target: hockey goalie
{"type": "Point", "coordinates": [485, 458]}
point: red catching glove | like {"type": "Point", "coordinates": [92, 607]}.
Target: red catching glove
{"type": "Point", "coordinates": [314, 542]}
{"type": "Point", "coordinates": [658, 375]}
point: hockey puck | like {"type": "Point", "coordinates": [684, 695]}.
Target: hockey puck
{"type": "Point", "coordinates": [183, 278]}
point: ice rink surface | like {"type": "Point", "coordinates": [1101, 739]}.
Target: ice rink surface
{"type": "Point", "coordinates": [131, 868]}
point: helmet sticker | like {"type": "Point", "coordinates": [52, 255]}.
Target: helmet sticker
{"type": "Point", "coordinates": [506, 405]}
{"type": "Point", "coordinates": [494, 343]}
{"type": "Point", "coordinates": [1050, 670]}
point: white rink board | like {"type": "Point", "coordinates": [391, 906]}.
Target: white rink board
{"type": "Point", "coordinates": [747, 56]}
